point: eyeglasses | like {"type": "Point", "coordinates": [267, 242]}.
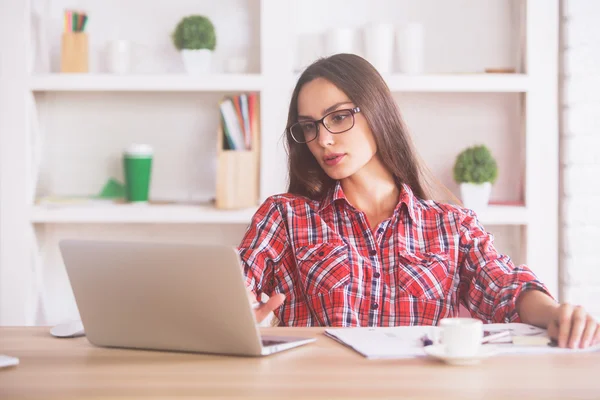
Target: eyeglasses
{"type": "Point", "coordinates": [338, 121]}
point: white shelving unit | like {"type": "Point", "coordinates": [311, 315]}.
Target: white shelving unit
{"type": "Point", "coordinates": [463, 83]}
{"type": "Point", "coordinates": [145, 83]}
{"type": "Point", "coordinates": [195, 214]}
{"type": "Point", "coordinates": [135, 214]}
{"type": "Point", "coordinates": [21, 221]}
{"type": "Point", "coordinates": [426, 83]}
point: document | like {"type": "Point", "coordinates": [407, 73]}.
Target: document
{"type": "Point", "coordinates": [393, 342]}
{"type": "Point", "coordinates": [408, 341]}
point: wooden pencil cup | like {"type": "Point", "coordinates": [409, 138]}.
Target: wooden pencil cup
{"type": "Point", "coordinates": [74, 52]}
{"type": "Point", "coordinates": [237, 175]}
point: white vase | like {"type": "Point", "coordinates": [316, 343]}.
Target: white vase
{"type": "Point", "coordinates": [341, 40]}
{"type": "Point", "coordinates": [379, 46]}
{"type": "Point", "coordinates": [409, 46]}
{"type": "Point", "coordinates": [475, 196]}
{"type": "Point", "coordinates": [197, 61]}
{"type": "Point", "coordinates": [119, 56]}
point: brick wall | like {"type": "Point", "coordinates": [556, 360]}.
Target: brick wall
{"type": "Point", "coordinates": [580, 153]}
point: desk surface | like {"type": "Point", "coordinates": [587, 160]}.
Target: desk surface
{"type": "Point", "coordinates": [73, 368]}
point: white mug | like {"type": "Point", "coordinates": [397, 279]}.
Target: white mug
{"type": "Point", "coordinates": [341, 40]}
{"type": "Point", "coordinates": [379, 45]}
{"type": "Point", "coordinates": [119, 56]}
{"type": "Point", "coordinates": [461, 337]}
{"type": "Point", "coordinates": [410, 48]}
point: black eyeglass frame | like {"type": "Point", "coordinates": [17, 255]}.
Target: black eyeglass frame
{"type": "Point", "coordinates": [317, 123]}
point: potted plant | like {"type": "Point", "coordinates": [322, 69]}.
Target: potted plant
{"type": "Point", "coordinates": [475, 170]}
{"type": "Point", "coordinates": [195, 38]}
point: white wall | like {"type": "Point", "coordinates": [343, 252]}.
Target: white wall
{"type": "Point", "coordinates": [581, 153]}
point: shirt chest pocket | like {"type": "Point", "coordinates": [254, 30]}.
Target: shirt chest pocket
{"type": "Point", "coordinates": [323, 267]}
{"type": "Point", "coordinates": [424, 276]}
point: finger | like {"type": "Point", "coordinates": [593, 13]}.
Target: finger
{"type": "Point", "coordinates": [588, 333]}
{"type": "Point", "coordinates": [578, 322]}
{"type": "Point", "coordinates": [553, 328]}
{"type": "Point", "coordinates": [251, 295]}
{"type": "Point", "coordinates": [597, 335]}
{"type": "Point", "coordinates": [564, 324]}
{"type": "Point", "coordinates": [264, 309]}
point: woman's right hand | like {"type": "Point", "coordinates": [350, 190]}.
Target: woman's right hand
{"type": "Point", "coordinates": [262, 311]}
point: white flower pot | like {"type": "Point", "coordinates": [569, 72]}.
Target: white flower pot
{"type": "Point", "coordinates": [475, 196]}
{"type": "Point", "coordinates": [196, 61]}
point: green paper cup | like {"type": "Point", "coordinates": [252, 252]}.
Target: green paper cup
{"type": "Point", "coordinates": [137, 165]}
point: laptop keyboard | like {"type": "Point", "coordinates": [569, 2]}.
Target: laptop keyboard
{"type": "Point", "coordinates": [271, 342]}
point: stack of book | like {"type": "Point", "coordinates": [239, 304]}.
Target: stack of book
{"type": "Point", "coordinates": [238, 115]}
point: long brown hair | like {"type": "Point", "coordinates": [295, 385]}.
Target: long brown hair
{"type": "Point", "coordinates": [366, 89]}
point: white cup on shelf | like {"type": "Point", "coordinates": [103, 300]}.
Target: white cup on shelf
{"type": "Point", "coordinates": [409, 48]}
{"type": "Point", "coordinates": [461, 337]}
{"type": "Point", "coordinates": [119, 56]}
{"type": "Point", "coordinates": [379, 45]}
{"type": "Point", "coordinates": [340, 40]}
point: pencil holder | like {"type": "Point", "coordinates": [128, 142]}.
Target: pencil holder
{"type": "Point", "coordinates": [237, 176]}
{"type": "Point", "coordinates": [74, 52]}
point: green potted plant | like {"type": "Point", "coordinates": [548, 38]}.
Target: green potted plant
{"type": "Point", "coordinates": [475, 170]}
{"type": "Point", "coordinates": [195, 38]}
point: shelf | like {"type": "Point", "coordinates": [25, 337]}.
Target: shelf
{"type": "Point", "coordinates": [458, 83]}
{"type": "Point", "coordinates": [254, 82]}
{"type": "Point", "coordinates": [127, 213]}
{"type": "Point", "coordinates": [503, 215]}
{"type": "Point", "coordinates": [145, 83]}
{"type": "Point", "coordinates": [182, 214]}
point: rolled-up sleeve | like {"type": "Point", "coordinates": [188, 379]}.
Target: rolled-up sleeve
{"type": "Point", "coordinates": [489, 281]}
{"type": "Point", "coordinates": [263, 245]}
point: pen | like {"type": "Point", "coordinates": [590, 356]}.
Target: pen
{"type": "Point", "coordinates": [426, 341]}
{"type": "Point", "coordinates": [495, 336]}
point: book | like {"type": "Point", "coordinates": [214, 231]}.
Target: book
{"type": "Point", "coordinates": [232, 124]}
{"type": "Point", "coordinates": [246, 120]}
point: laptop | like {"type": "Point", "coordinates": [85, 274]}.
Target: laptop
{"type": "Point", "coordinates": [163, 296]}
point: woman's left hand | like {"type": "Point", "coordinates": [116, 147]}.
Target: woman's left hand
{"type": "Point", "coordinates": [573, 327]}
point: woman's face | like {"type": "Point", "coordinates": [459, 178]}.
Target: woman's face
{"type": "Point", "coordinates": [340, 155]}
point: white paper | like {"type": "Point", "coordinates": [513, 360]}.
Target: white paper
{"type": "Point", "coordinates": [7, 361]}
{"type": "Point", "coordinates": [393, 342]}
{"type": "Point", "coordinates": [405, 341]}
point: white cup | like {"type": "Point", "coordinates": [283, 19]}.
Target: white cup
{"type": "Point", "coordinates": [118, 56]}
{"type": "Point", "coordinates": [461, 337]}
{"type": "Point", "coordinates": [341, 40]}
{"type": "Point", "coordinates": [410, 48]}
{"type": "Point", "coordinates": [379, 45]}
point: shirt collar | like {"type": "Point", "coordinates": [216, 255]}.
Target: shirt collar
{"type": "Point", "coordinates": [333, 194]}
{"type": "Point", "coordinates": [406, 198]}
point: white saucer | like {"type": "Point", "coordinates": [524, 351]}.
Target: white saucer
{"type": "Point", "coordinates": [438, 351]}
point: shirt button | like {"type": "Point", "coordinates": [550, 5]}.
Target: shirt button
{"type": "Point", "coordinates": [374, 306]}
{"type": "Point", "coordinates": [376, 275]}
{"type": "Point", "coordinates": [380, 230]}
{"type": "Point", "coordinates": [373, 252]}
{"type": "Point", "coordinates": [321, 253]}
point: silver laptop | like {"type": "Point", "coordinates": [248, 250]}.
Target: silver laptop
{"type": "Point", "coordinates": [162, 296]}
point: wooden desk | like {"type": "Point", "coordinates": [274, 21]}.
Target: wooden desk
{"type": "Point", "coordinates": [73, 368]}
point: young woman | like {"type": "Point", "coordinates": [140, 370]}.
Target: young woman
{"type": "Point", "coordinates": [355, 240]}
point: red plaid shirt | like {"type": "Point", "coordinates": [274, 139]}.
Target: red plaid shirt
{"type": "Point", "coordinates": [414, 269]}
